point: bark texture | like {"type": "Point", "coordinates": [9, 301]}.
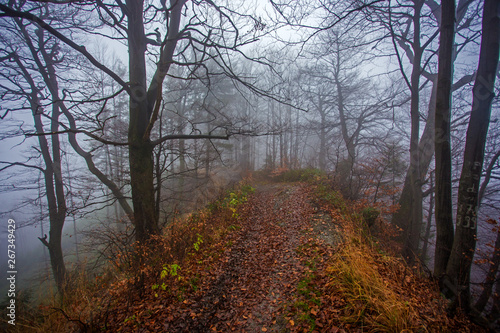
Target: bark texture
{"type": "Point", "coordinates": [459, 264]}
{"type": "Point", "coordinates": [444, 216]}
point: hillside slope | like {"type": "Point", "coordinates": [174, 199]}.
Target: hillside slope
{"type": "Point", "coordinates": [291, 257]}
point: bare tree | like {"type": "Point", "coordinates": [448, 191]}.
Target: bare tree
{"type": "Point", "coordinates": [444, 216]}
{"type": "Point", "coordinates": [19, 70]}
{"type": "Point", "coordinates": [161, 29]}
{"type": "Point", "coordinates": [459, 264]}
{"type": "Point", "coordinates": [405, 24]}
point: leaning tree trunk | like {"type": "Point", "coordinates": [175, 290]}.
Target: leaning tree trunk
{"type": "Point", "coordinates": [459, 265]}
{"type": "Point", "coordinates": [54, 186]}
{"type": "Point", "coordinates": [426, 151]}
{"type": "Point", "coordinates": [348, 139]}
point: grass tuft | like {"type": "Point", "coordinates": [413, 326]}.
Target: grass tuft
{"type": "Point", "coordinates": [370, 297]}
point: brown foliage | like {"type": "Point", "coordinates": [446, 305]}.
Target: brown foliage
{"type": "Point", "coordinates": [271, 264]}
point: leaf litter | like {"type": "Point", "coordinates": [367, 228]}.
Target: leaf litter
{"type": "Point", "coordinates": [272, 273]}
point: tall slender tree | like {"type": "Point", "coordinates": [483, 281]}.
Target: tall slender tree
{"type": "Point", "coordinates": [402, 25]}
{"type": "Point", "coordinates": [444, 216]}
{"type": "Point", "coordinates": [459, 264]}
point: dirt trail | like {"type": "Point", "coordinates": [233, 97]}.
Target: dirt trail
{"type": "Point", "coordinates": [260, 271]}
{"type": "Point", "coordinates": [280, 266]}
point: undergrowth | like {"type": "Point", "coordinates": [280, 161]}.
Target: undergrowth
{"type": "Point", "coordinates": [284, 174]}
{"type": "Point", "coordinates": [370, 299]}
{"type": "Point", "coordinates": [359, 285]}
{"type": "Point", "coordinates": [163, 268]}
{"type": "Point", "coordinates": [364, 287]}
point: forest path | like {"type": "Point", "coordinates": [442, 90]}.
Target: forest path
{"type": "Point", "coordinates": [258, 276]}
{"type": "Point", "coordinates": [289, 262]}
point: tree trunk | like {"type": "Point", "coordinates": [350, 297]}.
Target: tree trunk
{"type": "Point", "coordinates": [281, 143]}
{"type": "Point", "coordinates": [459, 264]}
{"type": "Point", "coordinates": [296, 149]}
{"type": "Point", "coordinates": [412, 232]}
{"type": "Point", "coordinates": [54, 185]}
{"type": "Point", "coordinates": [490, 276]}
{"type": "Point", "coordinates": [141, 112]}
{"type": "Point", "coordinates": [322, 135]}
{"type": "Point", "coordinates": [444, 215]}
{"type": "Point", "coordinates": [348, 140]}
{"type": "Point", "coordinates": [274, 150]}
{"type": "Point", "coordinates": [494, 313]}
{"type": "Point", "coordinates": [423, 254]}
{"type": "Point", "coordinates": [140, 148]}
{"type": "Point", "coordinates": [56, 252]}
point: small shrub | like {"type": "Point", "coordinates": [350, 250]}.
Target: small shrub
{"type": "Point", "coordinates": [370, 215]}
{"type": "Point", "coordinates": [171, 270]}
{"type": "Point", "coordinates": [326, 193]}
{"type": "Point", "coordinates": [312, 175]}
{"type": "Point", "coordinates": [297, 175]}
{"type": "Point", "coordinates": [235, 198]}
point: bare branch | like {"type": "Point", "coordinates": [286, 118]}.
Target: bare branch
{"type": "Point", "coordinates": [76, 131]}
{"type": "Point", "coordinates": [10, 12]}
{"type": "Point", "coordinates": [11, 164]}
{"type": "Point", "coordinates": [189, 137]}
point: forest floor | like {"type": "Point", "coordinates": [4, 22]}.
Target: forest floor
{"type": "Point", "coordinates": [252, 285]}
{"type": "Point", "coordinates": [257, 275]}
{"type": "Point", "coordinates": [275, 272]}
{"type": "Point", "coordinates": [286, 260]}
